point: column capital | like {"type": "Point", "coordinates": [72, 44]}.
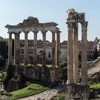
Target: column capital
{"type": "Point", "coordinates": [52, 31]}
{"type": "Point", "coordinates": [26, 32]}
{"type": "Point", "coordinates": [18, 32]}
{"type": "Point", "coordinates": [10, 32]}
{"type": "Point", "coordinates": [84, 25]}
{"type": "Point", "coordinates": [44, 32]}
{"type": "Point", "coordinates": [35, 32]}
{"type": "Point", "coordinates": [70, 25]}
{"type": "Point", "coordinates": [58, 32]}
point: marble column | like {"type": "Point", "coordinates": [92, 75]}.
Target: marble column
{"type": "Point", "coordinates": [70, 54]}
{"type": "Point", "coordinates": [75, 66]}
{"type": "Point", "coordinates": [35, 48]}
{"type": "Point", "coordinates": [26, 49]}
{"type": "Point", "coordinates": [53, 49]}
{"type": "Point", "coordinates": [16, 49]}
{"type": "Point", "coordinates": [84, 75]}
{"type": "Point", "coordinates": [58, 48]}
{"type": "Point", "coordinates": [10, 49]}
{"type": "Point", "coordinates": [44, 49]}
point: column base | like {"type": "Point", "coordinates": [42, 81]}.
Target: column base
{"type": "Point", "coordinates": [76, 92]}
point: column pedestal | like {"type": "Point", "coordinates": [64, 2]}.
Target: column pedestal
{"type": "Point", "coordinates": [77, 92]}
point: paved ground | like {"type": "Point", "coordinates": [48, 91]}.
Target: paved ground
{"type": "Point", "coordinates": [47, 95]}
{"type": "Point", "coordinates": [94, 69]}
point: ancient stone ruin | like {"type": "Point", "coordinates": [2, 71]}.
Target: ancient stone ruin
{"type": "Point", "coordinates": [77, 82]}
{"type": "Point", "coordinates": [32, 25]}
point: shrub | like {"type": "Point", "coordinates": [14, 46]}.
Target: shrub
{"type": "Point", "coordinates": [10, 74]}
{"type": "Point", "coordinates": [28, 91]}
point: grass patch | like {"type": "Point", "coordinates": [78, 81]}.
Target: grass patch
{"type": "Point", "coordinates": [95, 86]}
{"type": "Point", "coordinates": [61, 96]}
{"type": "Point", "coordinates": [28, 91]}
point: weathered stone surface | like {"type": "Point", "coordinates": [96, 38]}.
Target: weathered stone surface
{"type": "Point", "coordinates": [32, 24]}
{"type": "Point", "coordinates": [77, 92]}
{"type": "Point", "coordinates": [13, 84]}
{"type": "Point", "coordinates": [74, 91]}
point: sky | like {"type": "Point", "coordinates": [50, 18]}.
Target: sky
{"type": "Point", "coordinates": [15, 11]}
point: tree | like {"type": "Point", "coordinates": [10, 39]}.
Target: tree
{"type": "Point", "coordinates": [95, 53]}
{"type": "Point", "coordinates": [3, 53]}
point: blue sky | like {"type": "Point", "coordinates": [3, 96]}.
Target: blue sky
{"type": "Point", "coordinates": [14, 11]}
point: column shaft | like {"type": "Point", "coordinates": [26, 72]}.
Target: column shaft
{"type": "Point", "coordinates": [26, 49]}
{"type": "Point", "coordinates": [53, 49]}
{"type": "Point", "coordinates": [44, 49]}
{"type": "Point", "coordinates": [10, 49]}
{"type": "Point", "coordinates": [75, 66]}
{"type": "Point", "coordinates": [70, 53]}
{"type": "Point", "coordinates": [84, 75]}
{"type": "Point", "coordinates": [16, 49]}
{"type": "Point", "coordinates": [58, 48]}
{"type": "Point", "coordinates": [35, 49]}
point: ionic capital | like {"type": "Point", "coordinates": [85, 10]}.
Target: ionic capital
{"type": "Point", "coordinates": [35, 32]}
{"type": "Point", "coordinates": [26, 32]}
{"type": "Point", "coordinates": [58, 32]}
{"type": "Point", "coordinates": [18, 33]}
{"type": "Point", "coordinates": [44, 32]}
{"type": "Point", "coordinates": [53, 32]}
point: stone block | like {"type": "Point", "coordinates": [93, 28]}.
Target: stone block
{"type": "Point", "coordinates": [77, 92]}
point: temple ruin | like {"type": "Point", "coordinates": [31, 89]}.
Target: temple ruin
{"type": "Point", "coordinates": [32, 25]}
{"type": "Point", "coordinates": [77, 82]}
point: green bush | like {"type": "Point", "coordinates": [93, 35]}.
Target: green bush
{"type": "Point", "coordinates": [95, 86]}
{"type": "Point", "coordinates": [61, 96]}
{"type": "Point", "coordinates": [9, 75]}
{"type": "Point", "coordinates": [28, 91]}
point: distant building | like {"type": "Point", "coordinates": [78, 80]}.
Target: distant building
{"type": "Point", "coordinates": [63, 51]}
{"type": "Point", "coordinates": [92, 46]}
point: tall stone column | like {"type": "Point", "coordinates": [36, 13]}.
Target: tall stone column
{"type": "Point", "coordinates": [10, 49]}
{"type": "Point", "coordinates": [75, 66]}
{"type": "Point", "coordinates": [53, 49]}
{"type": "Point", "coordinates": [58, 48]}
{"type": "Point", "coordinates": [26, 49]}
{"type": "Point", "coordinates": [35, 48]}
{"type": "Point", "coordinates": [70, 54]}
{"type": "Point", "coordinates": [16, 49]}
{"type": "Point", "coordinates": [44, 49]}
{"type": "Point", "coordinates": [84, 75]}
